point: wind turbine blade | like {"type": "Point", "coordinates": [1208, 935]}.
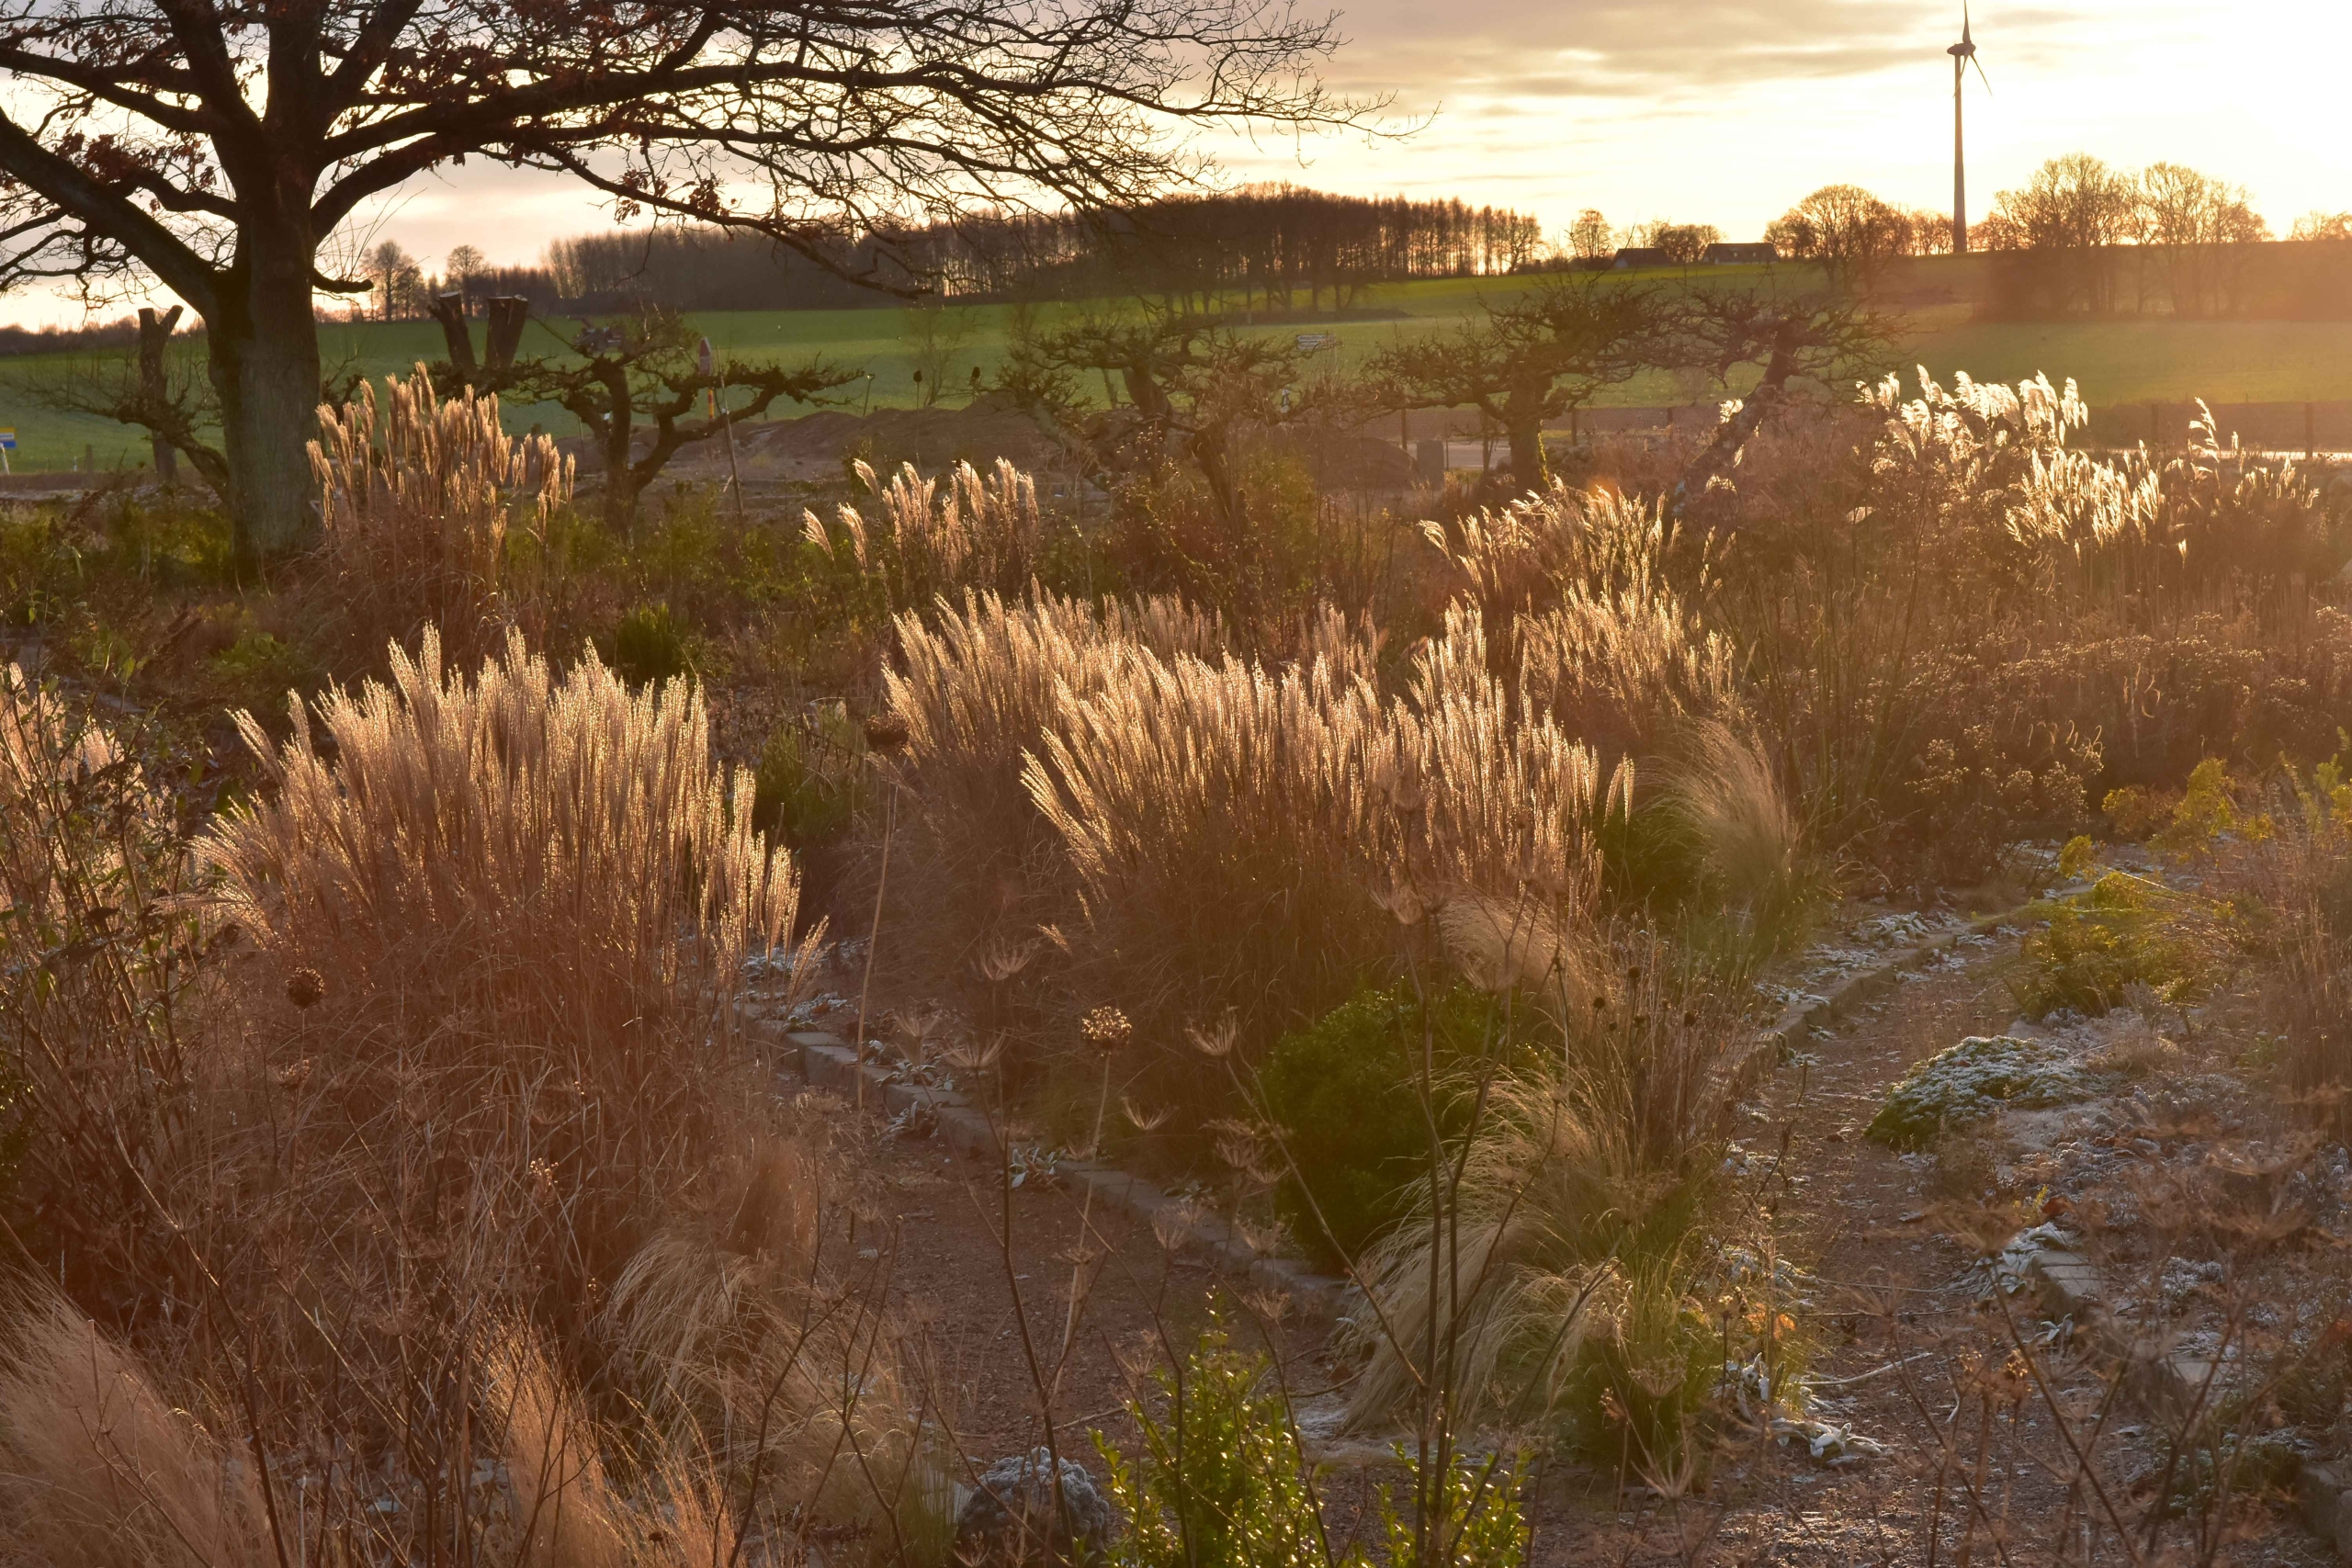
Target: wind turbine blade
{"type": "Point", "coordinates": [1980, 74]}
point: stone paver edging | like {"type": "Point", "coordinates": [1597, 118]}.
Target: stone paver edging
{"type": "Point", "coordinates": [827, 1061]}
{"type": "Point", "coordinates": [2170, 1382]}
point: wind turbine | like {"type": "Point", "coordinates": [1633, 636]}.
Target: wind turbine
{"type": "Point", "coordinates": [1963, 55]}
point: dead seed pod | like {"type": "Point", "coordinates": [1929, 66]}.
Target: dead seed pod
{"type": "Point", "coordinates": [306, 988]}
{"type": "Point", "coordinates": [1106, 1029]}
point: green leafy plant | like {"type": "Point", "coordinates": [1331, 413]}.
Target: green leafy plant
{"type": "Point", "coordinates": [1222, 1482]}
{"type": "Point", "coordinates": [2128, 930]}
{"type": "Point", "coordinates": [648, 644]}
{"type": "Point", "coordinates": [807, 781]}
{"type": "Point", "coordinates": [1346, 1091]}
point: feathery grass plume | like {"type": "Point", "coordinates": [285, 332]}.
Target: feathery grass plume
{"type": "Point", "coordinates": [98, 1468]}
{"type": "Point", "coordinates": [536, 896]}
{"type": "Point", "coordinates": [979, 531]}
{"type": "Point", "coordinates": [1722, 797]}
{"type": "Point", "coordinates": [1510, 556]}
{"type": "Point", "coordinates": [1486, 795]}
{"type": "Point", "coordinates": [562, 1508]}
{"type": "Point", "coordinates": [416, 497]}
{"type": "Point", "coordinates": [99, 967]}
{"type": "Point", "coordinates": [1212, 815]}
{"type": "Point", "coordinates": [1525, 556]}
{"type": "Point", "coordinates": [1622, 669]}
{"type": "Point", "coordinates": [574, 837]}
{"type": "Point", "coordinates": [1352, 648]}
{"type": "Point", "coordinates": [978, 687]}
{"type": "Point", "coordinates": [738, 1347]}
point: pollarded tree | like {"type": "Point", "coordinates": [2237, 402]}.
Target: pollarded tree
{"type": "Point", "coordinates": [212, 145]}
{"type": "Point", "coordinates": [1531, 359]}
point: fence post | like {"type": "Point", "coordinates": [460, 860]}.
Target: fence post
{"type": "Point", "coordinates": [2311, 432]}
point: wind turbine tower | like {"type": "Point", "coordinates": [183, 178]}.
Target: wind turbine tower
{"type": "Point", "coordinates": [1963, 55]}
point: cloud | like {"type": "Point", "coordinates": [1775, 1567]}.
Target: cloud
{"type": "Point", "coordinates": [1660, 54]}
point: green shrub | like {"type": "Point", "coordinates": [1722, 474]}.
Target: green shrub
{"type": "Point", "coordinates": [1222, 1483]}
{"type": "Point", "coordinates": [648, 644]}
{"type": "Point", "coordinates": [262, 663]}
{"type": "Point", "coordinates": [1972, 1081]}
{"type": "Point", "coordinates": [1346, 1091]}
{"type": "Point", "coordinates": [808, 780]}
{"type": "Point", "coordinates": [2128, 930]}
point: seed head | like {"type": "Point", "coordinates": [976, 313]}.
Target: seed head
{"type": "Point", "coordinates": [886, 732]}
{"type": "Point", "coordinates": [305, 988]}
{"type": "Point", "coordinates": [1106, 1029]}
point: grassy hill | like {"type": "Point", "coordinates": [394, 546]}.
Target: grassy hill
{"type": "Point", "coordinates": [2119, 361]}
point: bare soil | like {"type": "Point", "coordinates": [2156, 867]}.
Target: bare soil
{"type": "Point", "coordinates": [1896, 1313]}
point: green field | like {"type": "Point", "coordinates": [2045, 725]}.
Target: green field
{"type": "Point", "coordinates": [2114, 361]}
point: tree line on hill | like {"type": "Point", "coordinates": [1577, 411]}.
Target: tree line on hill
{"type": "Point", "coordinates": [1267, 247]}
{"type": "Point", "coordinates": [2080, 237]}
{"type": "Point", "coordinates": [2084, 238]}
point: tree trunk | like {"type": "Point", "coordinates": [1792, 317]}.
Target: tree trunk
{"type": "Point", "coordinates": [264, 343]}
{"type": "Point", "coordinates": [1526, 433]}
{"type": "Point", "coordinates": [620, 436]}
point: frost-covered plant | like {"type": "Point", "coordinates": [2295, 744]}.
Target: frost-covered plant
{"type": "Point", "coordinates": [1973, 1080]}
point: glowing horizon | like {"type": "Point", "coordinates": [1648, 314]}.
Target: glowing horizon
{"type": "Point", "coordinates": [1708, 111]}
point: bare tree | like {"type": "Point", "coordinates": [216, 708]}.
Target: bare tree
{"type": "Point", "coordinates": [1196, 385]}
{"type": "Point", "coordinates": [394, 274]}
{"type": "Point", "coordinates": [631, 376]}
{"type": "Point", "coordinates": [1589, 237]}
{"type": "Point", "coordinates": [213, 145]}
{"type": "Point", "coordinates": [1818, 338]}
{"type": "Point", "coordinates": [934, 337]}
{"type": "Point", "coordinates": [2073, 212]}
{"type": "Point", "coordinates": [1849, 233]}
{"type": "Point", "coordinates": [1686, 243]}
{"type": "Point", "coordinates": [2196, 226]}
{"type": "Point", "coordinates": [1531, 359]}
{"type": "Point", "coordinates": [164, 394]}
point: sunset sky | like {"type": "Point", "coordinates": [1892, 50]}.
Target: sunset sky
{"type": "Point", "coordinates": [1724, 112]}
{"type": "Point", "coordinates": [1716, 111]}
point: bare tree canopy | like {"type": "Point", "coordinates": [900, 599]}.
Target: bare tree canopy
{"type": "Point", "coordinates": [214, 145]}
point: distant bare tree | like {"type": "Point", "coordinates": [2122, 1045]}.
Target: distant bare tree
{"type": "Point", "coordinates": [644, 395]}
{"type": "Point", "coordinates": [1930, 232]}
{"type": "Point", "coordinates": [1850, 233]}
{"type": "Point", "coordinates": [2196, 227]}
{"type": "Point", "coordinates": [2073, 212]}
{"type": "Point", "coordinates": [2330, 228]}
{"type": "Point", "coordinates": [394, 274]}
{"type": "Point", "coordinates": [936, 335]}
{"type": "Point", "coordinates": [1686, 243]}
{"type": "Point", "coordinates": [1589, 237]}
{"type": "Point", "coordinates": [461, 267]}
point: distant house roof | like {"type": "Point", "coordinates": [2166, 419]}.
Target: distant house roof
{"type": "Point", "coordinates": [1632, 256]}
{"type": "Point", "coordinates": [1722, 254]}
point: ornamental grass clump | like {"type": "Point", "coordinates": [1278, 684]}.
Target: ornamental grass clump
{"type": "Point", "coordinates": [417, 495]}
{"type": "Point", "coordinates": [554, 860]}
{"type": "Point", "coordinates": [519, 1246]}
